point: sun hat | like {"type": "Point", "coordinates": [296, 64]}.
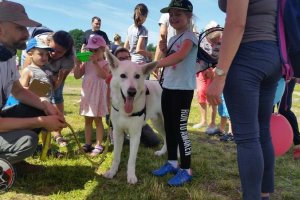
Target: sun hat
{"type": "Point", "coordinates": [179, 4]}
{"type": "Point", "coordinates": [211, 24]}
{"type": "Point", "coordinates": [37, 43]}
{"type": "Point", "coordinates": [15, 12]}
{"type": "Point", "coordinates": [95, 41]}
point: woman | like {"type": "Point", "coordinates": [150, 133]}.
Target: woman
{"type": "Point", "coordinates": [137, 36]}
{"type": "Point", "coordinates": [61, 63]}
{"type": "Point", "coordinates": [248, 71]}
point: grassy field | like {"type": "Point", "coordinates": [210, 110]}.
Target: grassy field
{"type": "Point", "coordinates": [215, 174]}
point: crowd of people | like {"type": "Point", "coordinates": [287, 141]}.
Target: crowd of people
{"type": "Point", "coordinates": [245, 77]}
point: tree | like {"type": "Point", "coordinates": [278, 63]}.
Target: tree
{"type": "Point", "coordinates": [151, 47]}
{"type": "Point", "coordinates": [77, 36]}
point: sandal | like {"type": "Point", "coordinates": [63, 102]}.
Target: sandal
{"type": "Point", "coordinates": [62, 142]}
{"type": "Point", "coordinates": [87, 148]}
{"type": "Point", "coordinates": [97, 150]}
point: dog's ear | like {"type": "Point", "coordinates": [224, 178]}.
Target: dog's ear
{"type": "Point", "coordinates": [113, 61]}
{"type": "Point", "coordinates": [149, 67]}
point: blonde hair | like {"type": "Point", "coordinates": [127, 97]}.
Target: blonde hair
{"type": "Point", "coordinates": [214, 37]}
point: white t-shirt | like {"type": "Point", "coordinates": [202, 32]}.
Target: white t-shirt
{"type": "Point", "coordinates": [8, 75]}
{"type": "Point", "coordinates": [164, 20]}
{"type": "Point", "coordinates": [182, 76]}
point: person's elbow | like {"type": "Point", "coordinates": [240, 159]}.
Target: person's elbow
{"type": "Point", "coordinates": [237, 24]}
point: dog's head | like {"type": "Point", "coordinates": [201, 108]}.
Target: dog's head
{"type": "Point", "coordinates": [128, 79]}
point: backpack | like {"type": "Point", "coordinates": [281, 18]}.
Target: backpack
{"type": "Point", "coordinates": [207, 58]}
{"type": "Point", "coordinates": [288, 32]}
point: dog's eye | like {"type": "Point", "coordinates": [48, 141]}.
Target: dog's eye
{"type": "Point", "coordinates": [123, 76]}
{"type": "Point", "coordinates": [137, 76]}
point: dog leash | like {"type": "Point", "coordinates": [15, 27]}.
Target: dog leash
{"type": "Point", "coordinates": [104, 154]}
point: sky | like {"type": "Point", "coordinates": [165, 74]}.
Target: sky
{"type": "Point", "coordinates": [116, 15]}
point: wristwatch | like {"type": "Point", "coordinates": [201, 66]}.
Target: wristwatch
{"type": "Point", "coordinates": [219, 71]}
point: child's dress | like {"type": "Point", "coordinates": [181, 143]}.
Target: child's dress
{"type": "Point", "coordinates": [93, 93]}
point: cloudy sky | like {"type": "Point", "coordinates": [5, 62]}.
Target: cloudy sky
{"type": "Point", "coordinates": [116, 15]}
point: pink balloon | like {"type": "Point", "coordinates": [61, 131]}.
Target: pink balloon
{"type": "Point", "coordinates": [281, 133]}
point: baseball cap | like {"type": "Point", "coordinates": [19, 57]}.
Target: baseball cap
{"type": "Point", "coordinates": [179, 4]}
{"type": "Point", "coordinates": [15, 12]}
{"type": "Point", "coordinates": [95, 41]}
{"type": "Point", "coordinates": [37, 43]}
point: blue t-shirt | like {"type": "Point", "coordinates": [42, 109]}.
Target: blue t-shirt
{"type": "Point", "coordinates": [182, 76]}
{"type": "Point", "coordinates": [133, 35]}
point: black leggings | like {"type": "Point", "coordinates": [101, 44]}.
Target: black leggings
{"type": "Point", "coordinates": [176, 108]}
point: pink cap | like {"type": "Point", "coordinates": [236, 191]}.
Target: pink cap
{"type": "Point", "coordinates": [95, 41]}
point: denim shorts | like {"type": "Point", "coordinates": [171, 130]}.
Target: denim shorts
{"type": "Point", "coordinates": [57, 95]}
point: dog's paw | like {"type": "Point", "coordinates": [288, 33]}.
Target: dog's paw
{"type": "Point", "coordinates": [109, 174]}
{"type": "Point", "coordinates": [159, 153]}
{"type": "Point", "coordinates": [132, 179]}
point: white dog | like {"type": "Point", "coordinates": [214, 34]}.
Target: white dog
{"type": "Point", "coordinates": [134, 100]}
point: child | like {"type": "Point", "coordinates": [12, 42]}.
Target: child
{"type": "Point", "coordinates": [38, 52]}
{"type": "Point", "coordinates": [93, 105]}
{"type": "Point", "coordinates": [37, 76]}
{"type": "Point", "coordinates": [223, 112]}
{"type": "Point", "coordinates": [211, 44]}
{"type": "Point", "coordinates": [137, 36]}
{"type": "Point", "coordinates": [178, 89]}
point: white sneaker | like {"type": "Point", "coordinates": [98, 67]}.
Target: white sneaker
{"type": "Point", "coordinates": [211, 130]}
{"type": "Point", "coordinates": [200, 125]}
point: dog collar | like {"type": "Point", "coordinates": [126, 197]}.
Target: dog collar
{"type": "Point", "coordinates": [140, 113]}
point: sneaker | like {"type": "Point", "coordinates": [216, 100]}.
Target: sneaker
{"type": "Point", "coordinates": [181, 177]}
{"type": "Point", "coordinates": [297, 153]}
{"type": "Point", "coordinates": [165, 169]}
{"type": "Point", "coordinates": [227, 137]}
{"type": "Point", "coordinates": [213, 131]}
{"type": "Point", "coordinates": [200, 125]}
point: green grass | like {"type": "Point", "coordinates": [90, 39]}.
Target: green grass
{"type": "Point", "coordinates": [215, 174]}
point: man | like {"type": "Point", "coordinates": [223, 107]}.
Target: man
{"type": "Point", "coordinates": [148, 137]}
{"type": "Point", "coordinates": [17, 138]}
{"type": "Point", "coordinates": [96, 24]}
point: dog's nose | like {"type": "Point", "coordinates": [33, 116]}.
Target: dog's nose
{"type": "Point", "coordinates": [131, 92]}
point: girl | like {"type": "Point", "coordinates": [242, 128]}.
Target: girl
{"type": "Point", "coordinates": [137, 36]}
{"type": "Point", "coordinates": [93, 94]}
{"type": "Point", "coordinates": [178, 89]}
